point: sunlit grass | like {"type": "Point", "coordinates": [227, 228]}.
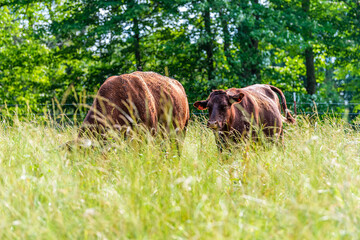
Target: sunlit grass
{"type": "Point", "coordinates": [140, 188]}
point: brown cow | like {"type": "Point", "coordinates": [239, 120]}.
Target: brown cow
{"type": "Point", "coordinates": [234, 111]}
{"type": "Point", "coordinates": [147, 98]}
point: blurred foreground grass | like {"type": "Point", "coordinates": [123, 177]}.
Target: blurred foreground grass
{"type": "Point", "coordinates": [308, 189]}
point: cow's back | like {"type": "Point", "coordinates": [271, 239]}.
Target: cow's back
{"type": "Point", "coordinates": [140, 97]}
{"type": "Point", "coordinates": [169, 96]}
{"type": "Point", "coordinates": [263, 93]}
{"type": "Point", "coordinates": [259, 105]}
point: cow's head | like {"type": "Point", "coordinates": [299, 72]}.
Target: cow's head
{"type": "Point", "coordinates": [219, 104]}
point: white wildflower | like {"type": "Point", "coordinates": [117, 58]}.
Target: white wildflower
{"type": "Point", "coordinates": [89, 212]}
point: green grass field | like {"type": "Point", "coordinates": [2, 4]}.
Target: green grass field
{"type": "Point", "coordinates": [139, 189]}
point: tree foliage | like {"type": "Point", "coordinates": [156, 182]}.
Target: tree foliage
{"type": "Point", "coordinates": [306, 46]}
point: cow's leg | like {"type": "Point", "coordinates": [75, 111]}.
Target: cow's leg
{"type": "Point", "coordinates": [281, 137]}
{"type": "Point", "coordinates": [179, 139]}
{"type": "Point", "coordinates": [278, 134]}
{"type": "Point", "coordinates": [178, 135]}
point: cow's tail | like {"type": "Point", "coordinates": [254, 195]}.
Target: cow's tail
{"type": "Point", "coordinates": [289, 117]}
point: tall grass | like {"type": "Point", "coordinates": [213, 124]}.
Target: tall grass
{"type": "Point", "coordinates": [141, 189]}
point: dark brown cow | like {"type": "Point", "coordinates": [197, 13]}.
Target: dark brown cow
{"type": "Point", "coordinates": [234, 111]}
{"type": "Point", "coordinates": [147, 98]}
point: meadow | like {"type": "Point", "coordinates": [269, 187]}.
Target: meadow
{"type": "Point", "coordinates": [139, 188]}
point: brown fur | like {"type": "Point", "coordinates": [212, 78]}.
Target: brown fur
{"type": "Point", "coordinates": [140, 97]}
{"type": "Point", "coordinates": [236, 110]}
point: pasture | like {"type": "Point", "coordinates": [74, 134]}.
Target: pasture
{"type": "Point", "coordinates": [140, 189]}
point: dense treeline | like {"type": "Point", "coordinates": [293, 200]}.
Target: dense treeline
{"type": "Point", "coordinates": [54, 48]}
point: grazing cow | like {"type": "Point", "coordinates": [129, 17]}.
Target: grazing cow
{"type": "Point", "coordinates": [233, 112]}
{"type": "Point", "coordinates": [147, 98]}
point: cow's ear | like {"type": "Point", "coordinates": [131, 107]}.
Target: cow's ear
{"type": "Point", "coordinates": [236, 98]}
{"type": "Point", "coordinates": [201, 105]}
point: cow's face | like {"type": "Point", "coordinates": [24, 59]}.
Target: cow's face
{"type": "Point", "coordinates": [219, 104]}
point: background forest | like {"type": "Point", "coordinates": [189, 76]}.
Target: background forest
{"type": "Point", "coordinates": [54, 49]}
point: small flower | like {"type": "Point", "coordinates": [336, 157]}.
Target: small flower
{"type": "Point", "coordinates": [89, 212]}
{"type": "Point", "coordinates": [16, 223]}
{"type": "Point", "coordinates": [314, 138]}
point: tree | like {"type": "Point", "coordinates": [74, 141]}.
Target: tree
{"type": "Point", "coordinates": [23, 57]}
{"type": "Point", "coordinates": [310, 83]}
{"type": "Point", "coordinates": [46, 47]}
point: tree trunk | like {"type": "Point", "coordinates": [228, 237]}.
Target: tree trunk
{"type": "Point", "coordinates": [227, 38]}
{"type": "Point", "coordinates": [209, 44]}
{"type": "Point", "coordinates": [310, 71]}
{"type": "Point", "coordinates": [227, 42]}
{"type": "Point", "coordinates": [255, 69]}
{"type": "Point", "coordinates": [310, 83]}
{"type": "Point", "coordinates": [224, 25]}
{"type": "Point", "coordinates": [251, 59]}
{"type": "Point", "coordinates": [137, 44]}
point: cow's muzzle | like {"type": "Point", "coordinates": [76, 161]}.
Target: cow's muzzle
{"type": "Point", "coordinates": [213, 125]}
